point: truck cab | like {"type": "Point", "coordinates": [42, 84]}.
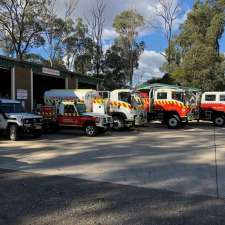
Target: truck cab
{"type": "Point", "coordinates": [170, 105]}
{"type": "Point", "coordinates": [212, 107]}
{"type": "Point", "coordinates": [167, 104]}
{"type": "Point", "coordinates": [127, 109]}
{"type": "Point", "coordinates": [70, 114]}
{"type": "Point", "coordinates": [14, 121]}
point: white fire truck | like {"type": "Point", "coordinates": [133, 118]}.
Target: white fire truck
{"type": "Point", "coordinates": [125, 106]}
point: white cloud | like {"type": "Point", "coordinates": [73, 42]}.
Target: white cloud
{"type": "Point", "coordinates": [149, 66]}
{"type": "Point", "coordinates": [109, 34]}
{"type": "Point", "coordinates": [150, 61]}
{"type": "Point", "coordinates": [147, 8]}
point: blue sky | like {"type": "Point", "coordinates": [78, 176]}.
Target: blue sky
{"type": "Point", "coordinates": [151, 60]}
{"type": "Point", "coordinates": [155, 41]}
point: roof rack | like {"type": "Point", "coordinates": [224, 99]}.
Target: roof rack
{"type": "Point", "coordinates": [147, 86]}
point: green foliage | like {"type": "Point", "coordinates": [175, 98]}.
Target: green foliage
{"type": "Point", "coordinates": [198, 62]}
{"type": "Point", "coordinates": [175, 58]}
{"type": "Point", "coordinates": [115, 75]}
{"type": "Point", "coordinates": [21, 25]}
{"type": "Point", "coordinates": [127, 25]}
{"type": "Point", "coordinates": [166, 79]}
{"type": "Point", "coordinates": [116, 65]}
{"type": "Point", "coordinates": [56, 31]}
{"type": "Point", "coordinates": [80, 48]}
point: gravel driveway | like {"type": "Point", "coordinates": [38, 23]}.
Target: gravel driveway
{"type": "Point", "coordinates": [35, 199]}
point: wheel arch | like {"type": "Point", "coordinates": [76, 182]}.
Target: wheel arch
{"type": "Point", "coordinates": [119, 114]}
{"type": "Point", "coordinates": [218, 113]}
{"type": "Point", "coordinates": [11, 123]}
{"type": "Point", "coordinates": [89, 122]}
{"type": "Point", "coordinates": [171, 113]}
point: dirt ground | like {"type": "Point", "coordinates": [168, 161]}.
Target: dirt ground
{"type": "Point", "coordinates": [27, 198]}
{"type": "Point", "coordinates": [151, 175]}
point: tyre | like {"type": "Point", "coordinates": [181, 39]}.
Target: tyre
{"type": "Point", "coordinates": [172, 122]}
{"type": "Point", "coordinates": [37, 133]}
{"type": "Point", "coordinates": [54, 128]}
{"type": "Point", "coordinates": [219, 121]}
{"type": "Point", "coordinates": [118, 123]}
{"type": "Point", "coordinates": [91, 130]}
{"type": "Point", "coordinates": [14, 132]}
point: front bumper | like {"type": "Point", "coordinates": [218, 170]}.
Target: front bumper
{"type": "Point", "coordinates": [129, 123]}
{"type": "Point", "coordinates": [104, 126]}
{"type": "Point", "coordinates": [140, 121]}
{"type": "Point", "coordinates": [184, 119]}
{"type": "Point", "coordinates": [28, 128]}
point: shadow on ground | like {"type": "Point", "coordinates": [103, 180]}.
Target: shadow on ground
{"type": "Point", "coordinates": [26, 198]}
{"type": "Point", "coordinates": [181, 160]}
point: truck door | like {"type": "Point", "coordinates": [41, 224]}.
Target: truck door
{"type": "Point", "coordinates": [3, 121]}
{"type": "Point", "coordinates": [70, 116]}
{"type": "Point", "coordinates": [151, 100]}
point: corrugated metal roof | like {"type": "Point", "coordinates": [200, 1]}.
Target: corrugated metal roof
{"type": "Point", "coordinates": [7, 63]}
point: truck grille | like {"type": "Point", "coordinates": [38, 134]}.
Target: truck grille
{"type": "Point", "coordinates": [32, 120]}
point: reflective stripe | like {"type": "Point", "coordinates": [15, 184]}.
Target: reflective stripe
{"type": "Point", "coordinates": [169, 102]}
{"type": "Point", "coordinates": [99, 101]}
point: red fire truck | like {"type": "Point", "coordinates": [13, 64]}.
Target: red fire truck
{"type": "Point", "coordinates": [211, 107]}
{"type": "Point", "coordinates": [175, 105]}
{"type": "Point", "coordinates": [64, 111]}
{"type": "Point", "coordinates": [165, 103]}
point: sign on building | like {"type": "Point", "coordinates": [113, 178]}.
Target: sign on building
{"type": "Point", "coordinates": [50, 71]}
{"type": "Point", "coordinates": [21, 94]}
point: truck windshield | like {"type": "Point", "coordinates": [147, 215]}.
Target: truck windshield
{"type": "Point", "coordinates": [125, 97]}
{"type": "Point", "coordinates": [179, 96]}
{"type": "Point", "coordinates": [81, 108]}
{"type": "Point", "coordinates": [11, 108]}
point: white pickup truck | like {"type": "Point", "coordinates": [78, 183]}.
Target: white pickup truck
{"type": "Point", "coordinates": [14, 121]}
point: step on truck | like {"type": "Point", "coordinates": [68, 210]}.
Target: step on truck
{"type": "Point", "coordinates": [166, 103]}
{"type": "Point", "coordinates": [66, 109]}
{"type": "Point", "coordinates": [15, 122]}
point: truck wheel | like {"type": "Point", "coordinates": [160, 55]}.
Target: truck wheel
{"type": "Point", "coordinates": [37, 133]}
{"type": "Point", "coordinates": [91, 130]}
{"type": "Point", "coordinates": [219, 121]}
{"type": "Point", "coordinates": [172, 122]}
{"type": "Point", "coordinates": [118, 123]}
{"type": "Point", "coordinates": [55, 128]}
{"type": "Point", "coordinates": [13, 132]}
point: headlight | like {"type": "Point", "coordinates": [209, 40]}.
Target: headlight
{"type": "Point", "coordinates": [25, 121]}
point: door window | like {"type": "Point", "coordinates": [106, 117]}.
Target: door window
{"type": "Point", "coordinates": [179, 96]}
{"type": "Point", "coordinates": [69, 109]}
{"type": "Point", "coordinates": [162, 95]}
{"type": "Point", "coordinates": [125, 97]}
{"type": "Point", "coordinates": [210, 98]}
{"type": "Point", "coordinates": [222, 98]}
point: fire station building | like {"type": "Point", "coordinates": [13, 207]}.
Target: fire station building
{"type": "Point", "coordinates": [27, 82]}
